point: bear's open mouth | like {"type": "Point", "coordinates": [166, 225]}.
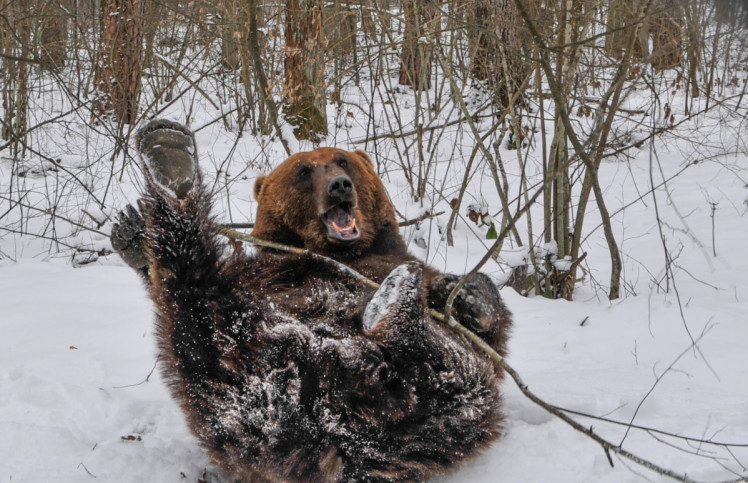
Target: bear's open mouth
{"type": "Point", "coordinates": [340, 222]}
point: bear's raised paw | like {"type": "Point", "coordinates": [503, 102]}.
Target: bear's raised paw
{"type": "Point", "coordinates": [169, 157]}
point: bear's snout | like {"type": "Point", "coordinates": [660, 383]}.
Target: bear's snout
{"type": "Point", "coordinates": [340, 188]}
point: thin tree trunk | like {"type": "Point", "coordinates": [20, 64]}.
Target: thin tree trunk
{"type": "Point", "coordinates": [53, 36]}
{"type": "Point", "coordinates": [304, 87]}
{"type": "Point", "coordinates": [266, 94]}
{"type": "Point", "coordinates": [119, 69]}
{"type": "Point", "coordinates": [694, 48]}
{"type": "Point", "coordinates": [421, 22]}
{"type": "Point", "coordinates": [556, 91]}
{"type": "Point", "coordinates": [15, 73]}
{"type": "Point", "coordinates": [667, 25]}
{"type": "Point", "coordinates": [497, 49]}
{"type": "Point", "coordinates": [231, 27]}
{"type": "Point", "coordinates": [621, 28]}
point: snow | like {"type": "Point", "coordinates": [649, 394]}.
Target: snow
{"type": "Point", "coordinates": [77, 346]}
{"type": "Point", "coordinates": [79, 396]}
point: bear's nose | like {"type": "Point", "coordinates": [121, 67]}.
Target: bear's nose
{"type": "Point", "coordinates": [340, 187]}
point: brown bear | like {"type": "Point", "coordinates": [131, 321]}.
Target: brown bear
{"type": "Point", "coordinates": [287, 366]}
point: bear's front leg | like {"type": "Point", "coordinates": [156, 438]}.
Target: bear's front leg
{"type": "Point", "coordinates": [194, 294]}
{"type": "Point", "coordinates": [478, 306]}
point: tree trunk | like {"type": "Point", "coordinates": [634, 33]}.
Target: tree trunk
{"type": "Point", "coordinates": [422, 20]}
{"type": "Point", "coordinates": [497, 41]}
{"type": "Point", "coordinates": [340, 28]}
{"type": "Point", "coordinates": [119, 68]}
{"type": "Point", "coordinates": [304, 86]}
{"type": "Point", "coordinates": [15, 44]}
{"type": "Point", "coordinates": [667, 25]}
{"type": "Point", "coordinates": [53, 36]}
{"type": "Point", "coordinates": [621, 15]}
{"type": "Point", "coordinates": [231, 27]}
{"type": "Point", "coordinates": [694, 46]}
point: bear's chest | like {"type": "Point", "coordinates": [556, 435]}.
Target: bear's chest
{"type": "Point", "coordinates": [328, 307]}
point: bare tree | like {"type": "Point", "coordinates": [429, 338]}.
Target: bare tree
{"type": "Point", "coordinates": [304, 86]}
{"type": "Point", "coordinates": [422, 20]}
{"type": "Point", "coordinates": [16, 50]}
{"type": "Point", "coordinates": [119, 69]}
{"type": "Point", "coordinates": [497, 47]}
{"type": "Point", "coordinates": [666, 28]}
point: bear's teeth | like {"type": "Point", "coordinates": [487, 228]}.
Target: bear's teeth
{"type": "Point", "coordinates": [350, 226]}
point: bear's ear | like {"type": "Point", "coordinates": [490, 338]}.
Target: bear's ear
{"type": "Point", "coordinates": [365, 157]}
{"type": "Point", "coordinates": [258, 186]}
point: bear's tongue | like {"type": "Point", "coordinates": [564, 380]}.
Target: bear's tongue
{"type": "Point", "coordinates": [340, 223]}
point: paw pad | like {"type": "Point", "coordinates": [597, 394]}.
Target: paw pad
{"type": "Point", "coordinates": [169, 155]}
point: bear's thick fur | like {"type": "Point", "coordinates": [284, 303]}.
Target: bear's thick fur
{"type": "Point", "coordinates": [287, 367]}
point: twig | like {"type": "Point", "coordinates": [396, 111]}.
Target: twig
{"type": "Point", "coordinates": [412, 221]}
{"type": "Point", "coordinates": [480, 343]}
{"type": "Point", "coordinates": [425, 216]}
{"type": "Point", "coordinates": [84, 467]}
{"type": "Point", "coordinates": [147, 378]}
{"type": "Point", "coordinates": [629, 424]}
{"type": "Point", "coordinates": [714, 243]}
{"type": "Point", "coordinates": [51, 212]}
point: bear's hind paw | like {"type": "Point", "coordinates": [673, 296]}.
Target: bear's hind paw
{"type": "Point", "coordinates": [169, 156]}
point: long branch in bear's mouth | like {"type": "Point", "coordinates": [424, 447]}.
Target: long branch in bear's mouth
{"type": "Point", "coordinates": [340, 222]}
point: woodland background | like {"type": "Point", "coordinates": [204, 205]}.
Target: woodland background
{"type": "Point", "coordinates": [591, 151]}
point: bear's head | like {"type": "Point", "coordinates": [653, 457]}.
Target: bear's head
{"type": "Point", "coordinates": [329, 201]}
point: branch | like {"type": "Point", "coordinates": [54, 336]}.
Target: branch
{"type": "Point", "coordinates": [50, 212]}
{"type": "Point", "coordinates": [412, 221]}
{"type": "Point", "coordinates": [425, 216]}
{"type": "Point", "coordinates": [480, 343]}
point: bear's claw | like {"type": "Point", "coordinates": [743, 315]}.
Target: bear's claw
{"type": "Point", "coordinates": [128, 236]}
{"type": "Point", "coordinates": [478, 306]}
{"type": "Point", "coordinates": [169, 156]}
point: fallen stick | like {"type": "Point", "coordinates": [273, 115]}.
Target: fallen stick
{"type": "Point", "coordinates": [412, 221]}
{"type": "Point", "coordinates": [488, 350]}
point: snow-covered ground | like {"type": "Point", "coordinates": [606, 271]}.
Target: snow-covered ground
{"type": "Point", "coordinates": [76, 353]}
{"type": "Point", "coordinates": [80, 399]}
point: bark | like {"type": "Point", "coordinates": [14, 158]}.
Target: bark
{"type": "Point", "coordinates": [422, 20]}
{"type": "Point", "coordinates": [497, 49]}
{"type": "Point", "coordinates": [53, 36]}
{"type": "Point", "coordinates": [304, 86]}
{"type": "Point", "coordinates": [231, 28]}
{"type": "Point", "coordinates": [694, 47]}
{"type": "Point", "coordinates": [621, 26]}
{"type": "Point", "coordinates": [120, 63]}
{"type": "Point", "coordinates": [667, 25]}
{"type": "Point", "coordinates": [558, 177]}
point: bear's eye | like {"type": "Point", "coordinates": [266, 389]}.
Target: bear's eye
{"type": "Point", "coordinates": [304, 173]}
{"type": "Point", "coordinates": [343, 163]}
